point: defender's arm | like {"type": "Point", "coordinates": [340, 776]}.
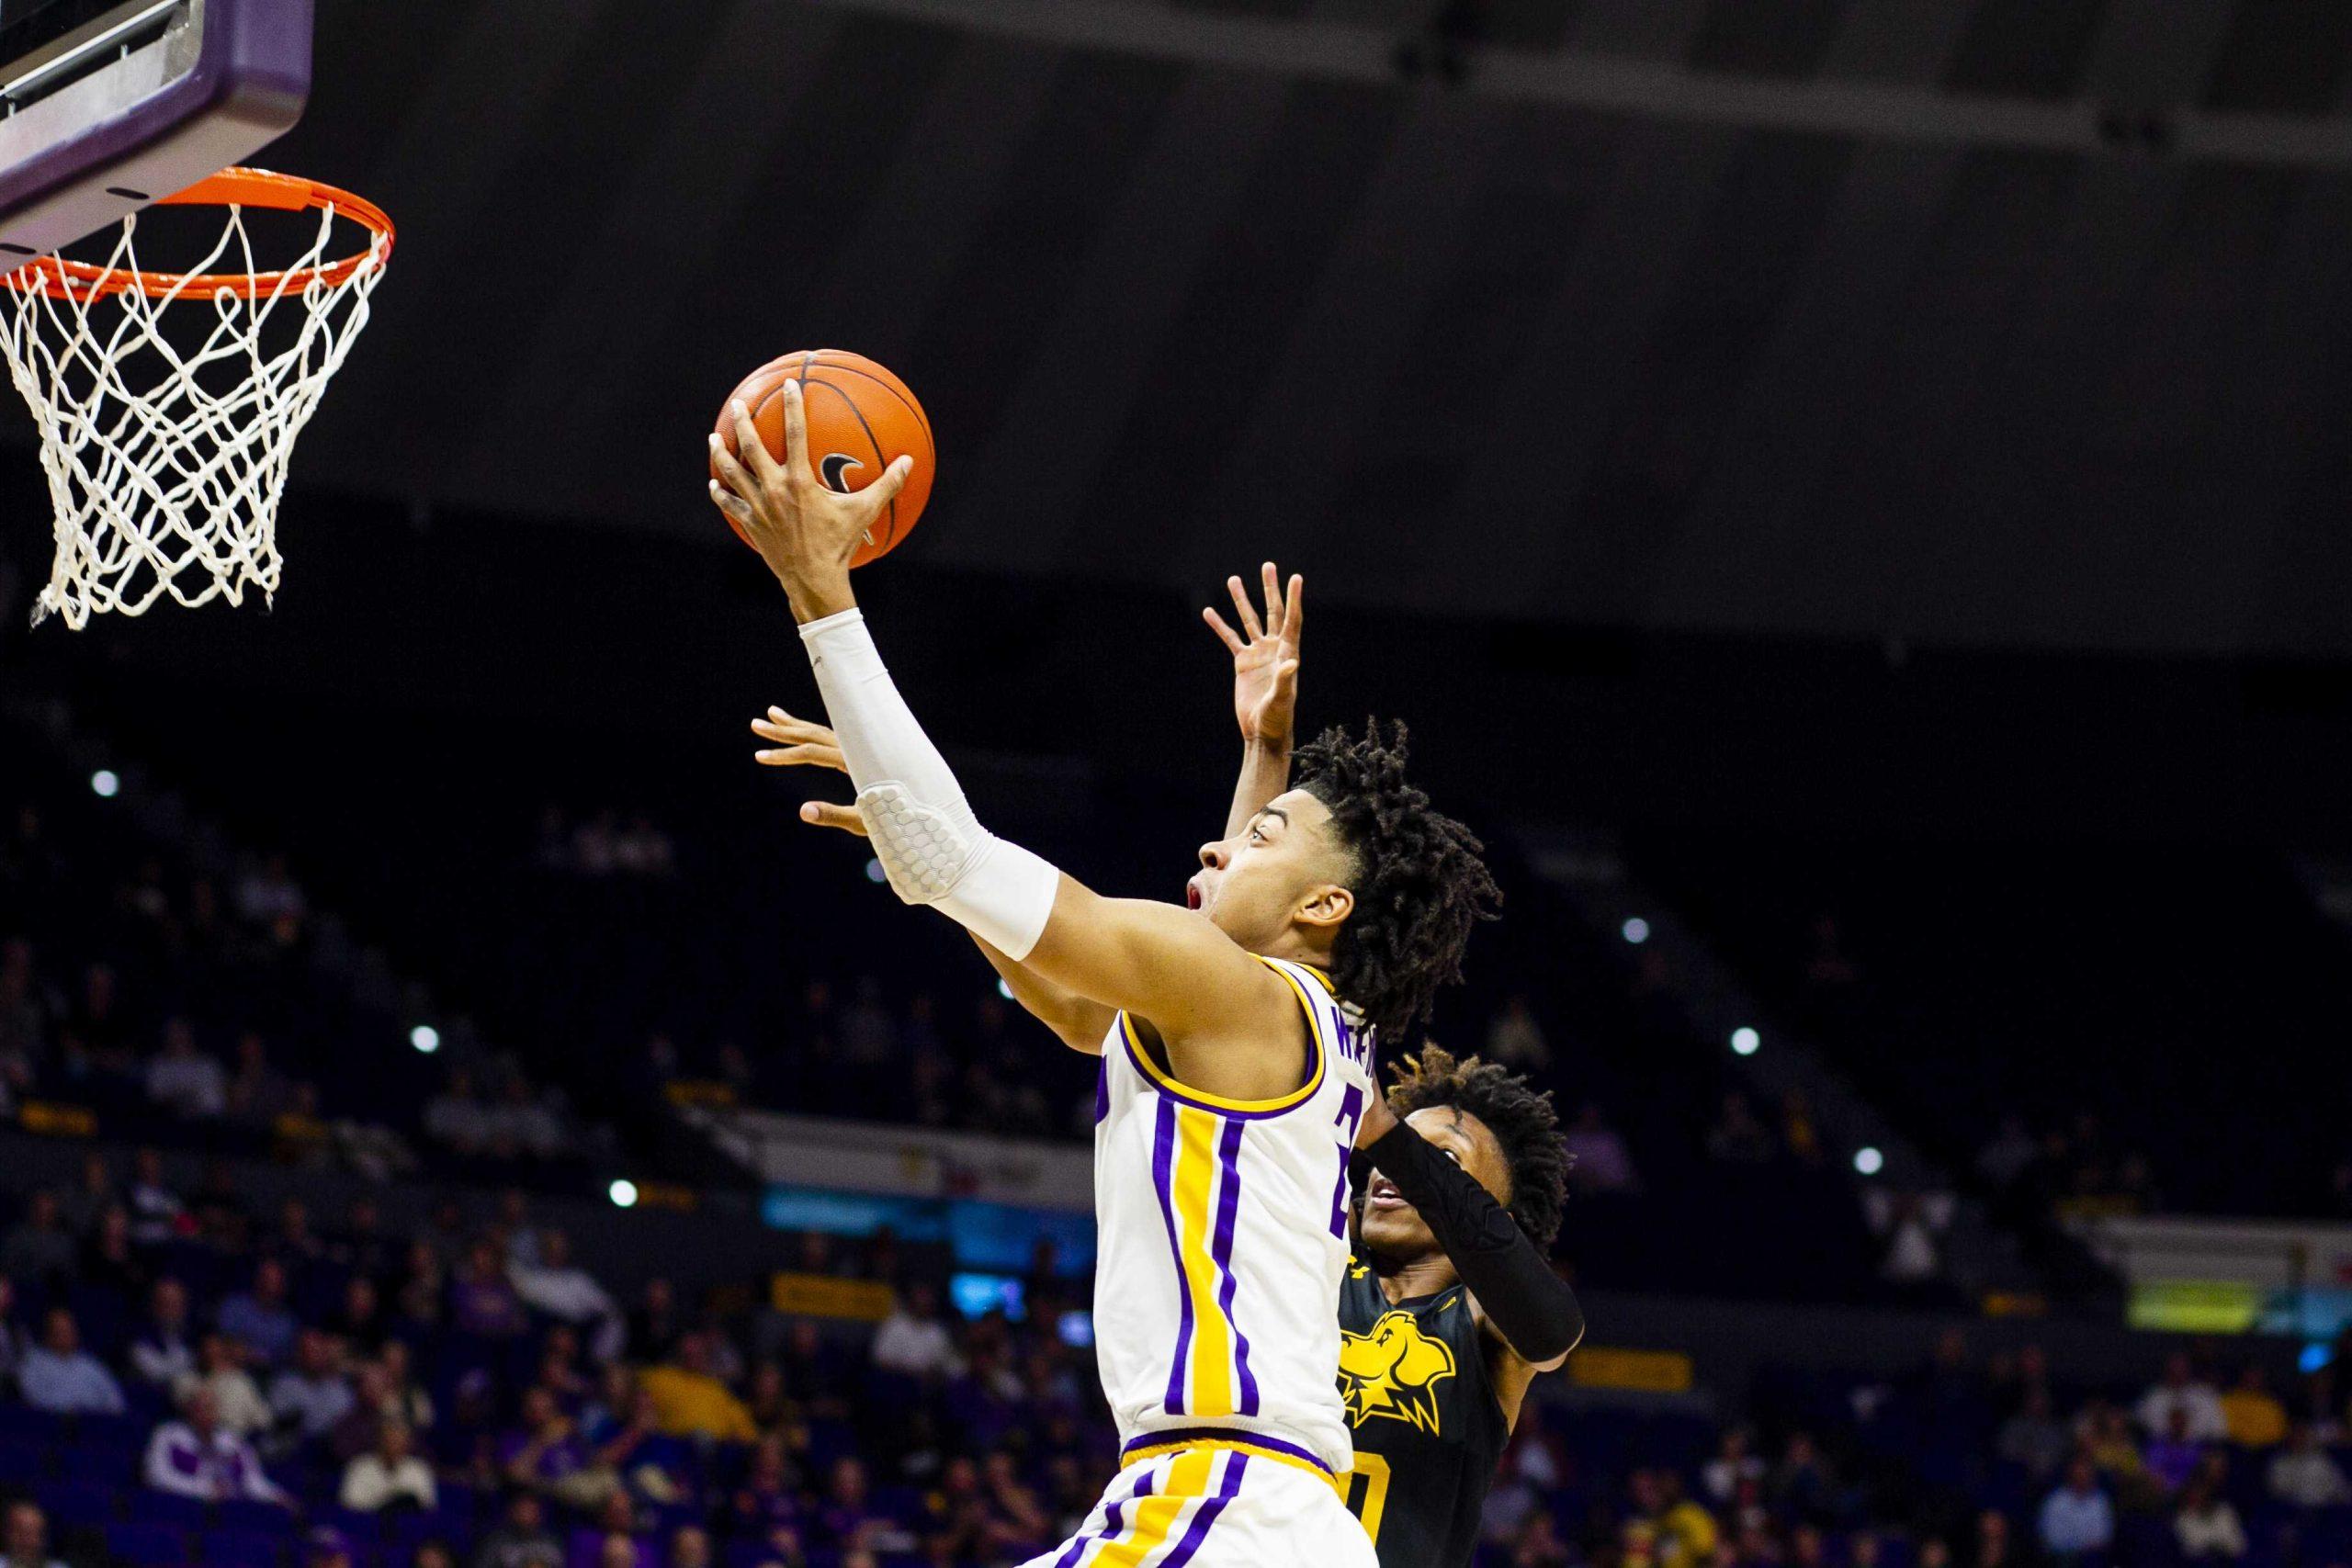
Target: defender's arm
{"type": "Point", "coordinates": [1532, 1309]}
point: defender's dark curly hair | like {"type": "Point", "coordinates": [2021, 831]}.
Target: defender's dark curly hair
{"type": "Point", "coordinates": [1420, 885]}
{"type": "Point", "coordinates": [1520, 1116]}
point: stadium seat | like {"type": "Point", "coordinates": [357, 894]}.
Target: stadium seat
{"type": "Point", "coordinates": [242, 1549]}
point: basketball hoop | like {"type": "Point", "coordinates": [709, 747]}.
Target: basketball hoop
{"type": "Point", "coordinates": [166, 435]}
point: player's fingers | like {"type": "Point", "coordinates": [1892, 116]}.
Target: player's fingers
{"type": "Point", "coordinates": [1248, 611]}
{"type": "Point", "coordinates": [734, 505]}
{"type": "Point", "coordinates": [1286, 679]}
{"type": "Point", "coordinates": [1294, 609]}
{"type": "Point", "coordinates": [824, 814]}
{"type": "Point", "coordinates": [730, 470]}
{"type": "Point", "coordinates": [796, 433]}
{"type": "Point", "coordinates": [1272, 586]}
{"type": "Point", "coordinates": [800, 757]}
{"type": "Point", "coordinates": [1224, 634]}
{"type": "Point", "coordinates": [885, 490]}
{"type": "Point", "coordinates": [785, 727]}
{"type": "Point", "coordinates": [750, 453]}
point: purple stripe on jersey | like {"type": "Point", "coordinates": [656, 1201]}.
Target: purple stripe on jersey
{"type": "Point", "coordinates": [1113, 1527]}
{"type": "Point", "coordinates": [1214, 1435]}
{"type": "Point", "coordinates": [1228, 1159]}
{"type": "Point", "coordinates": [1163, 1160]}
{"type": "Point", "coordinates": [1101, 1088]}
{"type": "Point", "coordinates": [1205, 1514]}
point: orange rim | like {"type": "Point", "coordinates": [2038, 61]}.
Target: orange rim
{"type": "Point", "coordinates": [63, 280]}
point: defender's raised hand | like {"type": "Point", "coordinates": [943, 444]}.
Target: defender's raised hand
{"type": "Point", "coordinates": [805, 532]}
{"type": "Point", "coordinates": [1265, 660]}
{"type": "Point", "coordinates": [802, 744]}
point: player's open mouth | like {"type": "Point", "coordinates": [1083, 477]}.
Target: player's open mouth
{"type": "Point", "coordinates": [1192, 894]}
{"type": "Point", "coordinates": [1381, 1193]}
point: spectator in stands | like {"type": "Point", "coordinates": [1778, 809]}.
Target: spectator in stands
{"type": "Point", "coordinates": [311, 1398]}
{"type": "Point", "coordinates": [846, 1519]}
{"type": "Point", "coordinates": [326, 1548]}
{"type": "Point", "coordinates": [1735, 1461]}
{"type": "Point", "coordinates": [59, 1376]}
{"type": "Point", "coordinates": [869, 1036]}
{"type": "Point", "coordinates": [2005, 1160]}
{"type": "Point", "coordinates": [409, 1398]}
{"type": "Point", "coordinates": [1737, 1137]}
{"type": "Point", "coordinates": [220, 1377]}
{"type": "Point", "coordinates": [1516, 1039]}
{"type": "Point", "coordinates": [546, 1454]}
{"type": "Point", "coordinates": [522, 1539]}
{"type": "Point", "coordinates": [2108, 1443]}
{"type": "Point", "coordinates": [2181, 1389]}
{"type": "Point", "coordinates": [82, 1208]}
{"type": "Point", "coordinates": [482, 1300]}
{"type": "Point", "coordinates": [358, 1322]}
{"type": "Point", "coordinates": [267, 896]}
{"type": "Point", "coordinates": [389, 1477]}
{"type": "Point", "coordinates": [163, 1354]}
{"type": "Point", "coordinates": [2206, 1525]}
{"type": "Point", "coordinates": [1538, 1545]}
{"type": "Point", "coordinates": [258, 1094]}
{"type": "Point", "coordinates": [689, 1548]}
{"type": "Point", "coordinates": [24, 1538]}
{"type": "Point", "coordinates": [1602, 1162]}
{"type": "Point", "coordinates": [1686, 1533]}
{"type": "Point", "coordinates": [628, 1443]}
{"type": "Point", "coordinates": [525, 1125]}
{"type": "Point", "coordinates": [1994, 1547]}
{"type": "Point", "coordinates": [258, 1319]}
{"type": "Point", "coordinates": [110, 1263]}
{"type": "Point", "coordinates": [2303, 1475]}
{"type": "Point", "coordinates": [689, 1400]}
{"type": "Point", "coordinates": [2034, 1438]}
{"type": "Point", "coordinates": [2252, 1413]}
{"type": "Point", "coordinates": [912, 1341]}
{"type": "Point", "coordinates": [198, 1457]}
{"type": "Point", "coordinates": [2078, 1520]}
{"type": "Point", "coordinates": [40, 1249]}
{"type": "Point", "coordinates": [457, 1116]}
{"type": "Point", "coordinates": [182, 1079]}
{"type": "Point", "coordinates": [1017, 1524]}
{"type": "Point", "coordinates": [656, 1324]}
{"type": "Point", "coordinates": [552, 1282]}
{"type": "Point", "coordinates": [2174, 1457]}
{"type": "Point", "coordinates": [156, 1212]}
{"type": "Point", "coordinates": [419, 1299]}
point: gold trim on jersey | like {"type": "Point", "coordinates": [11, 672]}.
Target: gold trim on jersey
{"type": "Point", "coordinates": [1203, 1098]}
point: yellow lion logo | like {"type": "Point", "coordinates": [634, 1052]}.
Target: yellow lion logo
{"type": "Point", "coordinates": [1394, 1371]}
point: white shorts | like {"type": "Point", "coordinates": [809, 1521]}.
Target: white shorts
{"type": "Point", "coordinates": [1217, 1507]}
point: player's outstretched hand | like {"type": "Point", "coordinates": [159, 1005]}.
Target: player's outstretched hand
{"type": "Point", "coordinates": [1265, 660]}
{"type": "Point", "coordinates": [800, 744]}
{"type": "Point", "coordinates": [806, 532]}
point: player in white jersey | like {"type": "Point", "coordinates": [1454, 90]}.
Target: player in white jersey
{"type": "Point", "coordinates": [1224, 1112]}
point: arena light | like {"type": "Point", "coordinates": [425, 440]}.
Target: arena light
{"type": "Point", "coordinates": [1745, 1042]}
{"type": "Point", "coordinates": [1636, 930]}
{"type": "Point", "coordinates": [623, 1193]}
{"type": "Point", "coordinates": [425, 1038]}
{"type": "Point", "coordinates": [1004, 990]}
{"type": "Point", "coordinates": [874, 872]}
{"type": "Point", "coordinates": [104, 785]}
{"type": "Point", "coordinates": [1869, 1161]}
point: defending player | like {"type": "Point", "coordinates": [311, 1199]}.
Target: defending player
{"type": "Point", "coordinates": [1233, 1074]}
{"type": "Point", "coordinates": [1432, 1380]}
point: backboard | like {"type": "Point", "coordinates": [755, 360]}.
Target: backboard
{"type": "Point", "coordinates": [106, 105]}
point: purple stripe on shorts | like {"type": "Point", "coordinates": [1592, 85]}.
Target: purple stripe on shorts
{"type": "Point", "coordinates": [1228, 1159]}
{"type": "Point", "coordinates": [1163, 1160]}
{"type": "Point", "coordinates": [1205, 1514]}
{"type": "Point", "coordinates": [1112, 1525]}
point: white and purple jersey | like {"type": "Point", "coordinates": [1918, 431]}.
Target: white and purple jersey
{"type": "Point", "coordinates": [1223, 1242]}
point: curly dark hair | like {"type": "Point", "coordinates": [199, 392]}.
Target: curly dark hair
{"type": "Point", "coordinates": [1520, 1116]}
{"type": "Point", "coordinates": [1419, 883]}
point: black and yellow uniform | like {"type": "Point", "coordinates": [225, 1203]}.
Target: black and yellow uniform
{"type": "Point", "coordinates": [1429, 1430]}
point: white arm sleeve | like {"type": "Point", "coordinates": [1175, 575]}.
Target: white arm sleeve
{"type": "Point", "coordinates": [923, 831]}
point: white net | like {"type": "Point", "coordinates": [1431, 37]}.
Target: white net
{"type": "Point", "coordinates": [168, 419]}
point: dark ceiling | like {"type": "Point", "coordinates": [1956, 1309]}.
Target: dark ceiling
{"type": "Point", "coordinates": [1446, 347]}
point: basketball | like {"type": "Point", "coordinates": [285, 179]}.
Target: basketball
{"type": "Point", "coordinates": [861, 420]}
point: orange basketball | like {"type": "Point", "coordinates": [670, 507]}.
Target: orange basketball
{"type": "Point", "coordinates": [861, 420]}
